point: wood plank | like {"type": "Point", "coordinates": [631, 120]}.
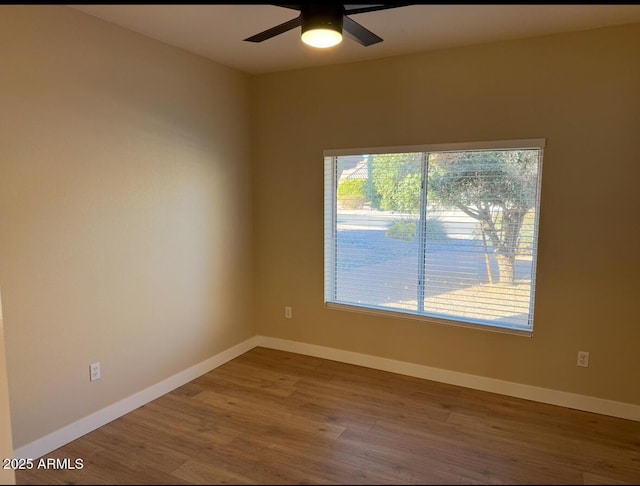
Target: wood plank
{"type": "Point", "coordinates": [272, 417]}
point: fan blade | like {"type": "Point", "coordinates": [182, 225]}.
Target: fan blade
{"type": "Point", "coordinates": [358, 33]}
{"type": "Point", "coordinates": [278, 29]}
{"type": "Point", "coordinates": [356, 9]}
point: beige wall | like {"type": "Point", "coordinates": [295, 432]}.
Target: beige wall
{"type": "Point", "coordinates": [7, 476]}
{"type": "Point", "coordinates": [126, 206]}
{"type": "Point", "coordinates": [580, 91]}
{"type": "Point", "coordinates": [125, 213]}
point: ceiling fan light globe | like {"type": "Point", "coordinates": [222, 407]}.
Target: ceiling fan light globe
{"type": "Point", "coordinates": [321, 38]}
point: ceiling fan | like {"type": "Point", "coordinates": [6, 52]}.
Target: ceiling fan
{"type": "Point", "coordinates": [323, 25]}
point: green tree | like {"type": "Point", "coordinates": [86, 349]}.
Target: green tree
{"type": "Point", "coordinates": [497, 188]}
{"type": "Point", "coordinates": [396, 180]}
{"type": "Point", "coordinates": [370, 192]}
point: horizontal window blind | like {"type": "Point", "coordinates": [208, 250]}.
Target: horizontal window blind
{"type": "Point", "coordinates": [448, 233]}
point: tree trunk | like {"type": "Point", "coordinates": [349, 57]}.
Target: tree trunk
{"type": "Point", "coordinates": [486, 254]}
{"type": "Point", "coordinates": [507, 265]}
{"type": "Point", "coordinates": [505, 240]}
{"type": "Point", "coordinates": [506, 253]}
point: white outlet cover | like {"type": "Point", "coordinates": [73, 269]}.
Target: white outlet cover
{"type": "Point", "coordinates": [94, 371]}
{"type": "Point", "coordinates": [583, 358]}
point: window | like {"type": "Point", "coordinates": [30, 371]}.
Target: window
{"type": "Point", "coordinates": [444, 232]}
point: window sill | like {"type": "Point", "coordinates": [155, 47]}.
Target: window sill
{"type": "Point", "coordinates": [404, 314]}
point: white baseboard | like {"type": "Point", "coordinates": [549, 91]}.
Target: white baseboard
{"type": "Point", "coordinates": [60, 437]}
{"type": "Point", "coordinates": [517, 390]}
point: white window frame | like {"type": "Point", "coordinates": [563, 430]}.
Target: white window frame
{"type": "Point", "coordinates": [330, 226]}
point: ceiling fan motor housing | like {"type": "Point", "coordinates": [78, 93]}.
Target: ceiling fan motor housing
{"type": "Point", "coordinates": [322, 17]}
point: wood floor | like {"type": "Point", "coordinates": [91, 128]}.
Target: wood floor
{"type": "Point", "coordinates": [271, 417]}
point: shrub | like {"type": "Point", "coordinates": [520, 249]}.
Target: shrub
{"type": "Point", "coordinates": [351, 193]}
{"type": "Point", "coordinates": [402, 230]}
{"type": "Point", "coordinates": [406, 230]}
{"type": "Point", "coordinates": [351, 187]}
{"type": "Point", "coordinates": [435, 230]}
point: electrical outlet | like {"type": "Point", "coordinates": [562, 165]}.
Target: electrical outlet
{"type": "Point", "coordinates": [288, 312]}
{"type": "Point", "coordinates": [94, 371]}
{"type": "Point", "coordinates": [583, 358]}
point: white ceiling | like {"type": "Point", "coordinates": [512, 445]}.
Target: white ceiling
{"type": "Point", "coordinates": [217, 31]}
